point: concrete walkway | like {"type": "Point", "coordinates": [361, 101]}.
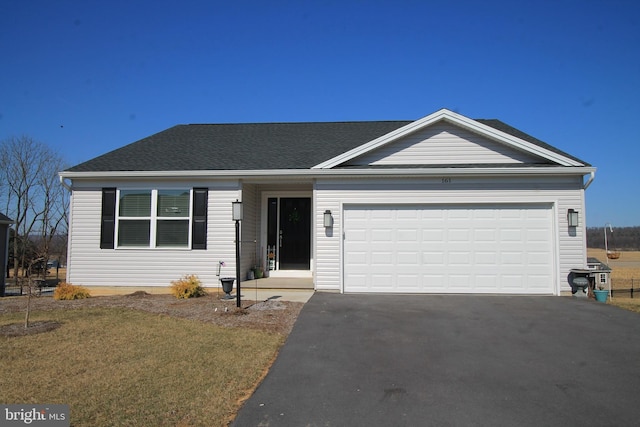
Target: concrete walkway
{"type": "Point", "coordinates": [445, 360]}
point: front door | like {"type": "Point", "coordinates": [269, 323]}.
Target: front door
{"type": "Point", "coordinates": [294, 233]}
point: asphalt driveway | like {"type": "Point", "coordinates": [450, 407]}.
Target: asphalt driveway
{"type": "Point", "coordinates": [440, 360]}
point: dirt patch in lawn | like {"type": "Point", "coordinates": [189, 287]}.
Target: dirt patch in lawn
{"type": "Point", "coordinates": [18, 329]}
{"type": "Point", "coordinates": [270, 316]}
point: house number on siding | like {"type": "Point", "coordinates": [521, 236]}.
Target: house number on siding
{"type": "Point", "coordinates": [446, 180]}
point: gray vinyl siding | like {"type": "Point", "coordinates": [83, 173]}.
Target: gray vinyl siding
{"type": "Point", "coordinates": [443, 143]}
{"type": "Point", "coordinates": [560, 192]}
{"type": "Point", "coordinates": [91, 266]}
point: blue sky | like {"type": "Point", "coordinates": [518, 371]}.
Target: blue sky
{"type": "Point", "coordinates": [87, 77]}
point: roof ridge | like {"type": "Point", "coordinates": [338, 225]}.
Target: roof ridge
{"type": "Point", "coordinates": [294, 123]}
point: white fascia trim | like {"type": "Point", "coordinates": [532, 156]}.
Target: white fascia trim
{"type": "Point", "coordinates": [515, 142]}
{"type": "Point", "coordinates": [384, 139]}
{"type": "Point", "coordinates": [319, 173]}
{"type": "Point", "coordinates": [453, 118]}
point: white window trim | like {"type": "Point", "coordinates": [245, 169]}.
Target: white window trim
{"type": "Point", "coordinates": [153, 219]}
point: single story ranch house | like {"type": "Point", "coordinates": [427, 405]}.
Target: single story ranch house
{"type": "Point", "coordinates": [443, 204]}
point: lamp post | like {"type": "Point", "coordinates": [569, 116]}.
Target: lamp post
{"type": "Point", "coordinates": [606, 245]}
{"type": "Point", "coordinates": [606, 251]}
{"type": "Point", "coordinates": [237, 217]}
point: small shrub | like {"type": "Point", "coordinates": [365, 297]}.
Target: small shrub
{"type": "Point", "coordinates": [67, 291]}
{"type": "Point", "coordinates": [188, 286]}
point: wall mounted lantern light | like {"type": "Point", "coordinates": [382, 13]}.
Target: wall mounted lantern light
{"type": "Point", "coordinates": [236, 215]}
{"type": "Point", "coordinates": [328, 219]}
{"type": "Point", "coordinates": [572, 218]}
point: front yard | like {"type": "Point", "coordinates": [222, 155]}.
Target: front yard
{"type": "Point", "coordinates": [141, 359]}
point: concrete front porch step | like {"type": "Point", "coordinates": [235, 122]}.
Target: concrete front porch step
{"type": "Point", "coordinates": [279, 283]}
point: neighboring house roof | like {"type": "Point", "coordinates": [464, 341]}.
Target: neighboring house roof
{"type": "Point", "coordinates": [5, 219]}
{"type": "Point", "coordinates": [275, 146]}
{"type": "Point", "coordinates": [597, 264]}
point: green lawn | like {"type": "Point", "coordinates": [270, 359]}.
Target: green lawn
{"type": "Point", "coordinates": [125, 367]}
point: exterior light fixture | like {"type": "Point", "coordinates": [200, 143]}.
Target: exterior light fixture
{"type": "Point", "coordinates": [236, 215]}
{"type": "Point", "coordinates": [328, 219]}
{"type": "Point", "coordinates": [572, 218]}
{"type": "Point", "coordinates": [237, 210]}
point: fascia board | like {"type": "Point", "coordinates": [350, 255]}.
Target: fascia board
{"type": "Point", "coordinates": [318, 173]}
{"type": "Point", "coordinates": [514, 141]}
{"type": "Point", "coordinates": [456, 119]}
{"type": "Point", "coordinates": [416, 172]}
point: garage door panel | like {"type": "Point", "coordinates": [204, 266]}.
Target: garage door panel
{"type": "Point", "coordinates": [484, 235]}
{"type": "Point", "coordinates": [381, 281]}
{"type": "Point", "coordinates": [459, 258]}
{"type": "Point", "coordinates": [460, 282]}
{"type": "Point", "coordinates": [381, 235]}
{"type": "Point", "coordinates": [358, 235]}
{"type": "Point", "coordinates": [409, 282]}
{"type": "Point", "coordinates": [409, 259]}
{"type": "Point", "coordinates": [407, 235]}
{"type": "Point", "coordinates": [382, 258]}
{"type": "Point", "coordinates": [458, 235]}
{"type": "Point", "coordinates": [486, 282]}
{"type": "Point", "coordinates": [540, 259]}
{"type": "Point", "coordinates": [382, 215]}
{"type": "Point", "coordinates": [433, 259]}
{"type": "Point", "coordinates": [483, 249]}
{"type": "Point", "coordinates": [486, 259]}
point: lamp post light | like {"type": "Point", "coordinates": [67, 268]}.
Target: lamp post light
{"type": "Point", "coordinates": [606, 250]}
{"type": "Point", "coordinates": [236, 214]}
{"type": "Point", "coordinates": [606, 244]}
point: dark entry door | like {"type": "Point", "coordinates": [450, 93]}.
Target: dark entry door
{"type": "Point", "coordinates": [295, 233]}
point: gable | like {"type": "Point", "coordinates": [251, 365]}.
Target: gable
{"type": "Point", "coordinates": [444, 143]}
{"type": "Point", "coordinates": [511, 143]}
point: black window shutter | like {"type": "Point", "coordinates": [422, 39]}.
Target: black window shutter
{"type": "Point", "coordinates": [199, 231]}
{"type": "Point", "coordinates": [108, 222]}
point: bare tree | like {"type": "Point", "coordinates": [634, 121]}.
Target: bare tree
{"type": "Point", "coordinates": [32, 196]}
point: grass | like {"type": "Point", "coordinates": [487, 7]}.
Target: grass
{"type": "Point", "coordinates": [125, 367]}
{"type": "Point", "coordinates": [631, 304]}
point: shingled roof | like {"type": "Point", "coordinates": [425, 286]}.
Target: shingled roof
{"type": "Point", "coordinates": [253, 146]}
{"type": "Point", "coordinates": [5, 219]}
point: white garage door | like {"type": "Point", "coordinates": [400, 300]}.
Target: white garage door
{"type": "Point", "coordinates": [448, 249]}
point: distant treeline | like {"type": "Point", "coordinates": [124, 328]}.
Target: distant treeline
{"type": "Point", "coordinates": [622, 238]}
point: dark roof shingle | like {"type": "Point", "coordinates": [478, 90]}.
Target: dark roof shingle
{"type": "Point", "coordinates": [239, 146]}
{"type": "Point", "coordinates": [254, 146]}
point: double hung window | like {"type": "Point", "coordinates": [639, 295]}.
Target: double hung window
{"type": "Point", "coordinates": [156, 218]}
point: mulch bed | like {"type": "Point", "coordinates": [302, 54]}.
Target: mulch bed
{"type": "Point", "coordinates": [272, 316]}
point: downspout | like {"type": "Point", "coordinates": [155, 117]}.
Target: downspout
{"type": "Point", "coordinates": [592, 176]}
{"type": "Point", "coordinates": [68, 187]}
{"type": "Point", "coordinates": [64, 184]}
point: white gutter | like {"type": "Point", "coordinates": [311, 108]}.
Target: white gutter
{"type": "Point", "coordinates": [592, 176]}
{"type": "Point", "coordinates": [64, 184]}
{"type": "Point", "coordinates": [334, 173]}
